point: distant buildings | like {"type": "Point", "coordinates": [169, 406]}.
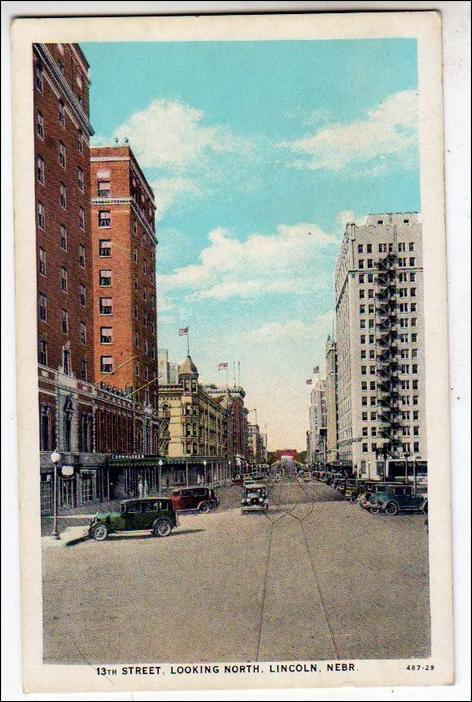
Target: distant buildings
{"type": "Point", "coordinates": [168, 371]}
{"type": "Point", "coordinates": [256, 446]}
{"type": "Point", "coordinates": [380, 343]}
{"type": "Point", "coordinates": [331, 402]}
{"type": "Point", "coordinates": [316, 438]}
{"type": "Point", "coordinates": [233, 399]}
{"type": "Point", "coordinates": [194, 428]}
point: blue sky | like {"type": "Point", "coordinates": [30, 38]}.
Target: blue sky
{"type": "Point", "coordinates": [258, 153]}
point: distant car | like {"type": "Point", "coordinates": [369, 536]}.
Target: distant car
{"type": "Point", "coordinates": [254, 498]}
{"type": "Point", "coordinates": [151, 513]}
{"type": "Point", "coordinates": [202, 499]}
{"type": "Point", "coordinates": [393, 502]}
{"type": "Point", "coordinates": [237, 480]}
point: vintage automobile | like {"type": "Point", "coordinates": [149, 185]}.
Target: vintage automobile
{"type": "Point", "coordinates": [155, 514]}
{"type": "Point", "coordinates": [237, 480]}
{"type": "Point", "coordinates": [401, 498]}
{"type": "Point", "coordinates": [202, 499]}
{"type": "Point", "coordinates": [339, 484]}
{"type": "Point", "coordinates": [254, 498]}
{"type": "Point", "coordinates": [354, 487]}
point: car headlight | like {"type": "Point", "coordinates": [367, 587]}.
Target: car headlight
{"type": "Point", "coordinates": [260, 499]}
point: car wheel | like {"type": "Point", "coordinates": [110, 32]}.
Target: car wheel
{"type": "Point", "coordinates": [100, 532]}
{"type": "Point", "coordinates": [391, 508]}
{"type": "Point", "coordinates": [353, 499]}
{"type": "Point", "coordinates": [162, 528]}
{"type": "Point", "coordinates": [204, 507]}
{"type": "Point", "coordinates": [374, 510]}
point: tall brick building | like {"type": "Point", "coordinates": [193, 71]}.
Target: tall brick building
{"type": "Point", "coordinates": [124, 257]}
{"type": "Point", "coordinates": [88, 423]}
{"type": "Point", "coordinates": [64, 255]}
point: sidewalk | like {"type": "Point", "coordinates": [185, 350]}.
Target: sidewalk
{"type": "Point", "coordinates": [70, 536]}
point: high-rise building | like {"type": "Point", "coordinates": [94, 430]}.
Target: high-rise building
{"type": "Point", "coordinates": [255, 444]}
{"type": "Point", "coordinates": [124, 262]}
{"type": "Point", "coordinates": [380, 343]}
{"type": "Point", "coordinates": [331, 404]}
{"type": "Point", "coordinates": [317, 421]}
{"type": "Point", "coordinates": [64, 255]}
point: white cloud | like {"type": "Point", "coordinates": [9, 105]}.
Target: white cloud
{"type": "Point", "coordinates": [290, 261]}
{"type": "Point", "coordinates": [173, 192]}
{"type": "Point", "coordinates": [387, 135]}
{"type": "Point", "coordinates": [271, 332]}
{"type": "Point", "coordinates": [172, 135]}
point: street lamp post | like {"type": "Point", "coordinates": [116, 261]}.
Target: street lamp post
{"type": "Point", "coordinates": [55, 458]}
{"type": "Point", "coordinates": [204, 469]}
{"type": "Point", "coordinates": [161, 463]}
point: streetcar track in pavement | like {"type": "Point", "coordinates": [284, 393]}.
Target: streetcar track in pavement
{"type": "Point", "coordinates": [300, 521]}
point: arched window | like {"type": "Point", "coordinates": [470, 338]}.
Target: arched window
{"type": "Point", "coordinates": [44, 442]}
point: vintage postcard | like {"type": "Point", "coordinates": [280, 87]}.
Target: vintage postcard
{"type": "Point", "coordinates": [232, 352]}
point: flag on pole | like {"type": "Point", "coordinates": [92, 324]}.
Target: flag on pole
{"type": "Point", "coordinates": [222, 366]}
{"type": "Point", "coordinates": [309, 381]}
{"type": "Point", "coordinates": [183, 332]}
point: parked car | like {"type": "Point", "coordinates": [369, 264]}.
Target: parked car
{"type": "Point", "coordinates": [402, 498]}
{"type": "Point", "coordinates": [237, 480]}
{"type": "Point", "coordinates": [354, 487]}
{"type": "Point", "coordinates": [254, 498]}
{"type": "Point", "coordinates": [150, 513]}
{"type": "Point", "coordinates": [202, 499]}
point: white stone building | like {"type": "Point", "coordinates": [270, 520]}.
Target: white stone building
{"type": "Point", "coordinates": [316, 438]}
{"type": "Point", "coordinates": [380, 343]}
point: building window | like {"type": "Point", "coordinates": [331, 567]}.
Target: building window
{"type": "Point", "coordinates": [80, 179]}
{"type": "Point", "coordinates": [39, 125]}
{"type": "Point", "coordinates": [361, 263]}
{"type": "Point", "coordinates": [104, 218]}
{"type": "Point", "coordinates": [43, 352]}
{"type": "Point", "coordinates": [104, 188]}
{"type": "Point", "coordinates": [83, 369]}
{"type": "Point", "coordinates": [106, 305]}
{"type": "Point", "coordinates": [104, 248]}
{"type": "Point", "coordinates": [106, 364]}
{"type": "Point", "coordinates": [360, 248]}
{"type": "Point", "coordinates": [81, 218]}
{"type": "Point", "coordinates": [63, 196]}
{"type": "Point", "coordinates": [64, 279]}
{"type": "Point", "coordinates": [39, 78]}
{"type": "Point", "coordinates": [106, 335]}
{"type": "Point", "coordinates": [61, 113]}
{"type": "Point", "coordinates": [80, 141]}
{"type": "Point", "coordinates": [136, 312]}
{"type": "Point", "coordinates": [43, 307]}
{"type": "Point", "coordinates": [66, 362]}
{"type": "Point", "coordinates": [82, 294]}
{"type": "Point", "coordinates": [380, 221]}
{"type": "Point", "coordinates": [81, 255]}
{"type": "Point", "coordinates": [83, 333]}
{"type": "Point", "coordinates": [365, 448]}
{"type": "Point", "coordinates": [62, 155]}
{"type": "Point", "coordinates": [40, 169]}
{"type": "Point", "coordinates": [402, 247]}
{"type": "Point", "coordinates": [44, 443]}
{"type": "Point", "coordinates": [369, 248]}
{"type": "Point", "coordinates": [63, 237]}
{"type": "Point", "coordinates": [41, 215]}
{"type": "Point", "coordinates": [64, 322]}
{"type": "Point", "coordinates": [411, 246]}
{"type": "Point", "coordinates": [412, 261]}
{"type": "Point", "coordinates": [105, 278]}
{"type": "Point", "coordinates": [135, 255]}
{"type": "Point", "coordinates": [42, 261]}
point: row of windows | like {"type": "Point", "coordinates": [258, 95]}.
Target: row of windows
{"type": "Point", "coordinates": [406, 446]}
{"type": "Point", "coordinates": [39, 85]}
{"type": "Point", "coordinates": [41, 210]}
{"type": "Point", "coordinates": [41, 169]}
{"type": "Point", "coordinates": [406, 431]}
{"type": "Point", "coordinates": [63, 243]}
{"type": "Point", "coordinates": [66, 362]}
{"type": "Point", "coordinates": [405, 322]}
{"type": "Point", "coordinates": [406, 414]}
{"type": "Point", "coordinates": [40, 127]}
{"type": "Point", "coordinates": [107, 366]}
{"type": "Point", "coordinates": [404, 338]}
{"type": "Point", "coordinates": [105, 251]}
{"type": "Point", "coordinates": [402, 262]}
{"type": "Point", "coordinates": [386, 248]}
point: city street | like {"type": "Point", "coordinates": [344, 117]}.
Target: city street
{"type": "Point", "coordinates": [314, 578]}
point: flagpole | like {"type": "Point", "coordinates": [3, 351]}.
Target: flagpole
{"type": "Point", "coordinates": [188, 343]}
{"type": "Point", "coordinates": [227, 379]}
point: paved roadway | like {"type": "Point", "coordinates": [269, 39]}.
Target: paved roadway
{"type": "Point", "coordinates": [316, 578]}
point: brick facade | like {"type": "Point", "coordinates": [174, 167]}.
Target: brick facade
{"type": "Point", "coordinates": [124, 246]}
